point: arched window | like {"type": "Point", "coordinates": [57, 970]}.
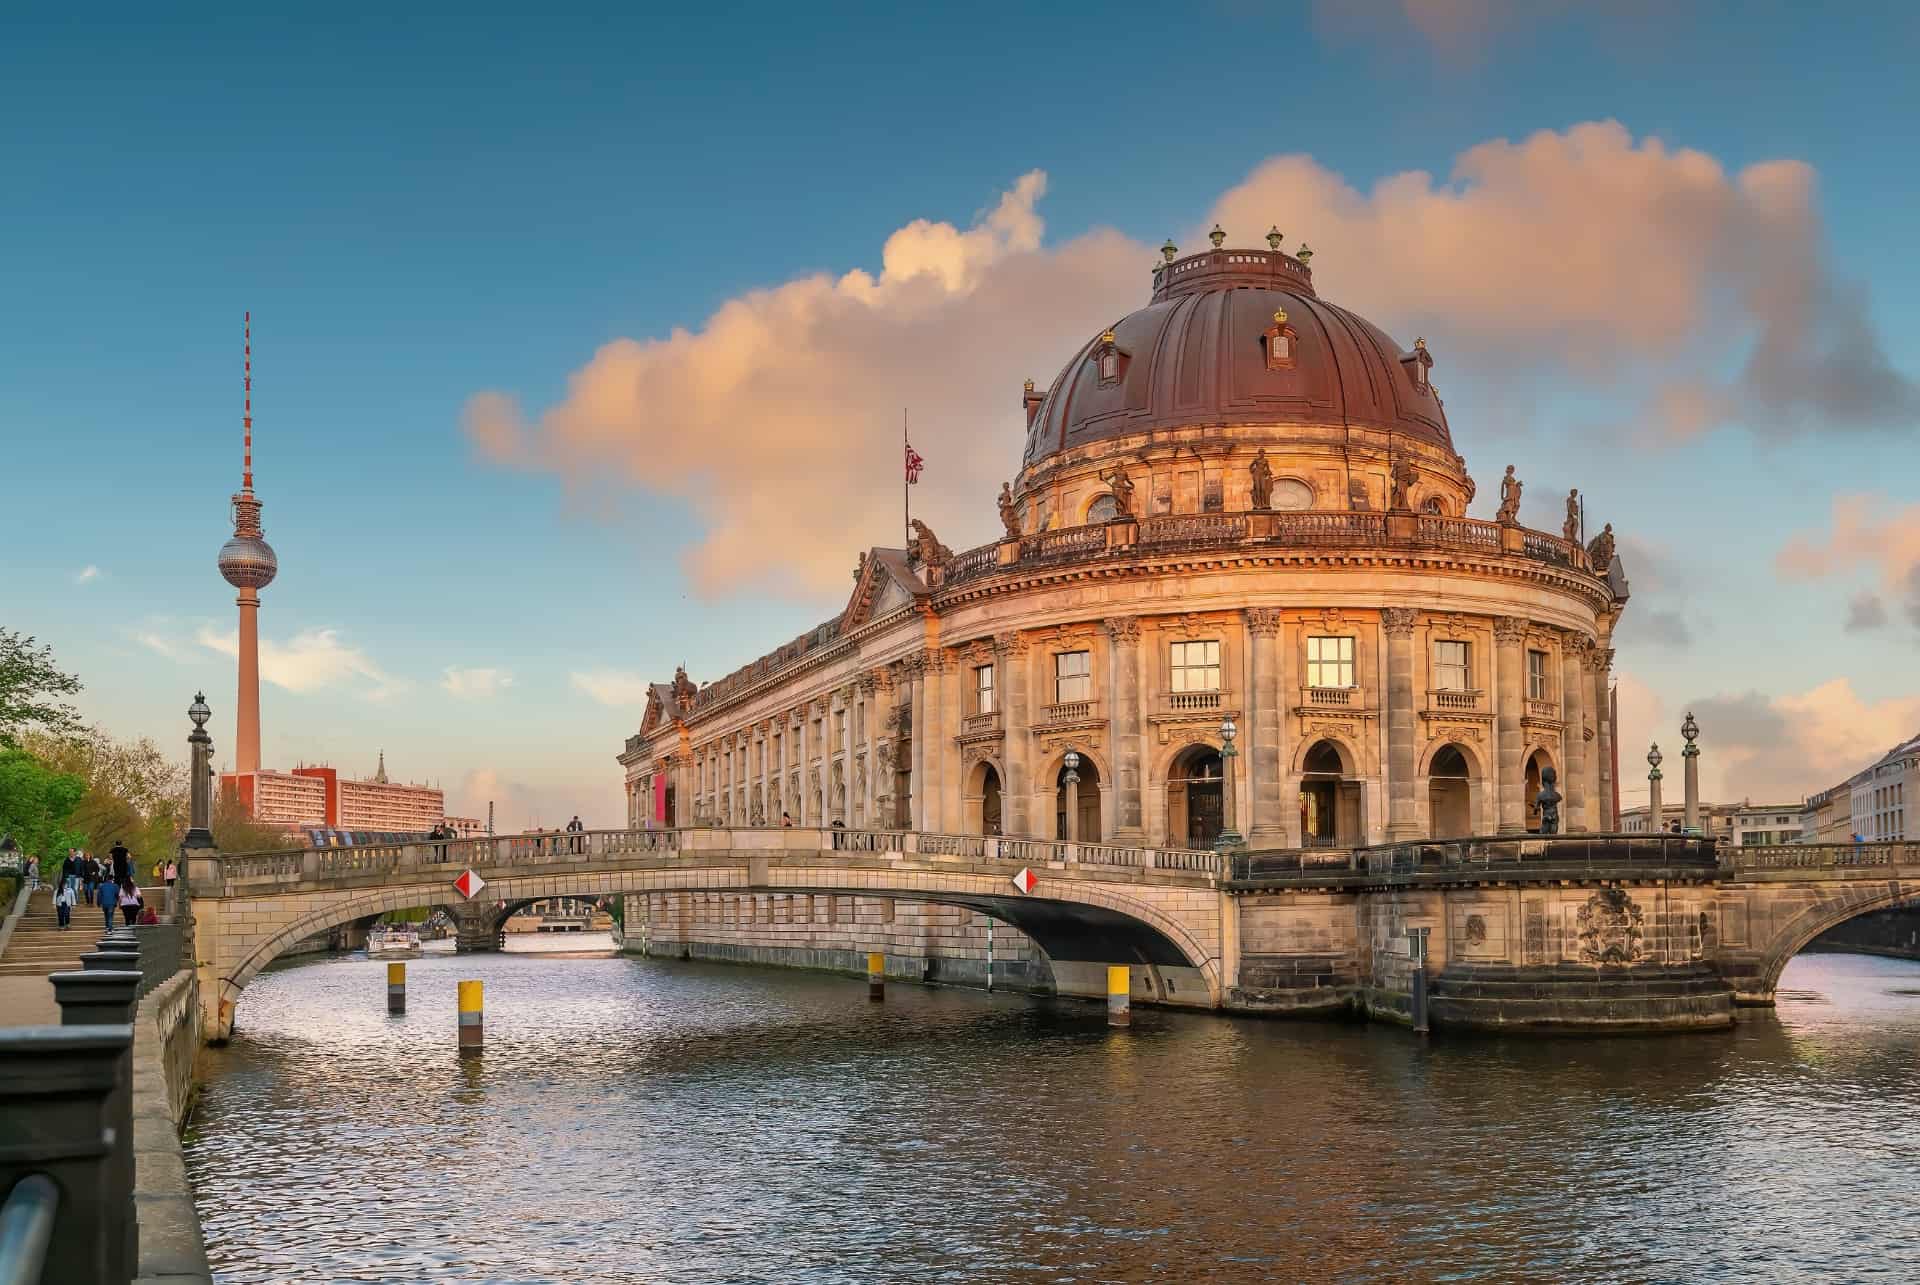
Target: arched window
{"type": "Point", "coordinates": [1433, 506]}
{"type": "Point", "coordinates": [1103, 509]}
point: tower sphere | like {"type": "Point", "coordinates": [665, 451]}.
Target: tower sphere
{"type": "Point", "coordinates": [248, 562]}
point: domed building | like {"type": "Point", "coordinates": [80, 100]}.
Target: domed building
{"type": "Point", "coordinates": [1236, 547]}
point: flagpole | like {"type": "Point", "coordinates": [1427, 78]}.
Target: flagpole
{"type": "Point", "coordinates": [906, 483]}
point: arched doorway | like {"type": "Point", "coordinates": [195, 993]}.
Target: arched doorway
{"type": "Point", "coordinates": [1194, 798]}
{"type": "Point", "coordinates": [1536, 763]}
{"type": "Point", "coordinates": [1449, 794]}
{"type": "Point", "coordinates": [1329, 799]}
{"type": "Point", "coordinates": [1089, 794]}
{"type": "Point", "coordinates": [981, 801]}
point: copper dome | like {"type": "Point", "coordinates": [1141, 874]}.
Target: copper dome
{"type": "Point", "coordinates": [1197, 355]}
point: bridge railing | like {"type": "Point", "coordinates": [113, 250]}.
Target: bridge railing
{"type": "Point", "coordinates": [551, 849]}
{"type": "Point", "coordinates": [1496, 854]}
{"type": "Point", "coordinates": [1823, 856]}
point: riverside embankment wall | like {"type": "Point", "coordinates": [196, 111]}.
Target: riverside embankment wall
{"type": "Point", "coordinates": [166, 1044]}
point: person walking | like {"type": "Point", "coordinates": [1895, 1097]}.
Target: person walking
{"type": "Point", "coordinates": [172, 872]}
{"type": "Point", "coordinates": [130, 902]}
{"type": "Point", "coordinates": [63, 902]}
{"type": "Point", "coordinates": [106, 895]}
{"type": "Point", "coordinates": [122, 862]}
{"type": "Point", "coordinates": [70, 868]}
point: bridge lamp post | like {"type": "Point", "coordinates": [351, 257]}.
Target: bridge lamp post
{"type": "Point", "coordinates": [1691, 757]}
{"type": "Point", "coordinates": [1229, 836]}
{"type": "Point", "coordinates": [1654, 821]}
{"type": "Point", "coordinates": [200, 777]}
{"type": "Point", "coordinates": [1072, 783]}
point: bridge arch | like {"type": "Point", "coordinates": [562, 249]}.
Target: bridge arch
{"type": "Point", "coordinates": [1798, 932]}
{"type": "Point", "coordinates": [1074, 920]}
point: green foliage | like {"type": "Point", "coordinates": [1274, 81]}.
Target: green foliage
{"type": "Point", "coordinates": [37, 805]}
{"type": "Point", "coordinates": [235, 831]}
{"type": "Point", "coordinates": [31, 685]}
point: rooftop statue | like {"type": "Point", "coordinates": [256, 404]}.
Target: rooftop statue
{"type": "Point", "coordinates": [1122, 487]}
{"type": "Point", "coordinates": [1009, 511]}
{"type": "Point", "coordinates": [927, 549]}
{"type": "Point", "coordinates": [1600, 552]}
{"type": "Point", "coordinates": [1509, 514]}
{"type": "Point", "coordinates": [1571, 527]}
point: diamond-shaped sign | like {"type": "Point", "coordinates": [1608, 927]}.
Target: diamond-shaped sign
{"type": "Point", "coordinates": [1025, 880]}
{"type": "Point", "coordinates": [469, 884]}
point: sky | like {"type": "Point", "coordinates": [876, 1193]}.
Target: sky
{"type": "Point", "coordinates": [581, 335]}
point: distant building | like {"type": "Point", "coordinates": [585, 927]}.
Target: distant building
{"type": "Point", "coordinates": [1880, 798]}
{"type": "Point", "coordinates": [1716, 819]}
{"type": "Point", "coordinates": [1764, 825]}
{"type": "Point", "coordinates": [1827, 817]}
{"type": "Point", "coordinates": [321, 797]}
{"type": "Point", "coordinates": [468, 827]}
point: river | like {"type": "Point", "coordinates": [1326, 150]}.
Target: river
{"type": "Point", "coordinates": [639, 1120]}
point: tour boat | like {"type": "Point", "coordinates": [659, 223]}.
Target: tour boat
{"type": "Point", "coordinates": [393, 941]}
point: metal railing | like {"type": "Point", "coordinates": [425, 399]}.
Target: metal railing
{"type": "Point", "coordinates": [26, 1229]}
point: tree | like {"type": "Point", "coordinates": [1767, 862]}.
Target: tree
{"type": "Point", "coordinates": [235, 831]}
{"type": "Point", "coordinates": [37, 804]}
{"type": "Point", "coordinates": [31, 685]}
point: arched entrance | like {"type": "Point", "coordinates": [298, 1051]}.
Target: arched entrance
{"type": "Point", "coordinates": [1536, 763]}
{"type": "Point", "coordinates": [1329, 799]}
{"type": "Point", "coordinates": [1194, 798]}
{"type": "Point", "coordinates": [1089, 801]}
{"type": "Point", "coordinates": [981, 802]}
{"type": "Point", "coordinates": [1449, 794]}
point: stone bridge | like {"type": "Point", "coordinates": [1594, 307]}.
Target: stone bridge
{"type": "Point", "coordinates": [1561, 933]}
{"type": "Point", "coordinates": [1160, 909]}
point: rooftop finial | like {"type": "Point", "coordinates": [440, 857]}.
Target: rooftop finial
{"type": "Point", "coordinates": [1217, 236]}
{"type": "Point", "coordinates": [246, 421]}
{"type": "Point", "coordinates": [1304, 254]}
{"type": "Point", "coordinates": [1274, 238]}
{"type": "Point", "coordinates": [1168, 250]}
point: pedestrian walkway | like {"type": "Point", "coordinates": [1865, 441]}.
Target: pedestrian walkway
{"type": "Point", "coordinates": [40, 946]}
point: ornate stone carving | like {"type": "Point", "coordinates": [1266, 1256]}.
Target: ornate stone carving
{"type": "Point", "coordinates": [1609, 929]}
{"type": "Point", "coordinates": [1401, 475]}
{"type": "Point", "coordinates": [1509, 629]}
{"type": "Point", "coordinates": [1263, 622]}
{"type": "Point", "coordinates": [1397, 621]}
{"type": "Point", "coordinates": [1012, 644]}
{"type": "Point", "coordinates": [1260, 476]}
{"type": "Point", "coordinates": [1122, 487]}
{"type": "Point", "coordinates": [860, 569]}
{"type": "Point", "coordinates": [1600, 551]}
{"type": "Point", "coordinates": [1009, 511]}
{"type": "Point", "coordinates": [1476, 930]}
{"type": "Point", "coordinates": [1510, 487]}
{"type": "Point", "coordinates": [1571, 527]}
{"type": "Point", "coordinates": [1124, 629]}
{"type": "Point", "coordinates": [938, 660]}
{"type": "Point", "coordinates": [1332, 620]}
{"type": "Point", "coordinates": [927, 549]}
{"type": "Point", "coordinates": [868, 684]}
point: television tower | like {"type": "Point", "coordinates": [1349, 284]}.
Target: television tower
{"type": "Point", "coordinates": [248, 563]}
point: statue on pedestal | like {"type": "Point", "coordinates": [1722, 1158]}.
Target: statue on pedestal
{"type": "Point", "coordinates": [1600, 552]}
{"type": "Point", "coordinates": [1262, 477]}
{"type": "Point", "coordinates": [1509, 514]}
{"type": "Point", "coordinates": [927, 549]}
{"type": "Point", "coordinates": [1009, 511]}
{"type": "Point", "coordinates": [1122, 487]}
{"type": "Point", "coordinates": [1402, 476]}
{"type": "Point", "coordinates": [1571, 527]}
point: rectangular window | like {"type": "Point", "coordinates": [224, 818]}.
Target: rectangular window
{"type": "Point", "coordinates": [1450, 669]}
{"type": "Point", "coordinates": [1072, 677]}
{"type": "Point", "coordinates": [1537, 676]}
{"type": "Point", "coordinates": [983, 689]}
{"type": "Point", "coordinates": [1330, 662]}
{"type": "Point", "coordinates": [1196, 666]}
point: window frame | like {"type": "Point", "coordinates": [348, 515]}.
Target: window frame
{"type": "Point", "coordinates": [1181, 667]}
{"type": "Point", "coordinates": [1083, 676]}
{"type": "Point", "coordinates": [1542, 690]}
{"type": "Point", "coordinates": [1347, 663]}
{"type": "Point", "coordinates": [983, 691]}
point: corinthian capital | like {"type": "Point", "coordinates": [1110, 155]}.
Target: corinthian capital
{"type": "Point", "coordinates": [1509, 629]}
{"type": "Point", "coordinates": [1397, 621]}
{"type": "Point", "coordinates": [1012, 643]}
{"type": "Point", "coordinates": [1263, 622]}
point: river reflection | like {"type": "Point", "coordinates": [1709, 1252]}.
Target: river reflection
{"type": "Point", "coordinates": [646, 1121]}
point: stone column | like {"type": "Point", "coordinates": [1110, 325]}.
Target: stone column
{"type": "Point", "coordinates": [864, 779]}
{"type": "Point", "coordinates": [953, 772]}
{"type": "Point", "coordinates": [1403, 813]}
{"type": "Point", "coordinates": [1128, 823]}
{"type": "Point", "coordinates": [1262, 735]}
{"type": "Point", "coordinates": [1573, 741]}
{"type": "Point", "coordinates": [1509, 704]}
{"type": "Point", "coordinates": [1011, 656]}
{"type": "Point", "coordinates": [930, 739]}
{"type": "Point", "coordinates": [917, 774]}
{"type": "Point", "coordinates": [1599, 660]}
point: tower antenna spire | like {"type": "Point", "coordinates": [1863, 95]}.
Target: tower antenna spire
{"type": "Point", "coordinates": [246, 421]}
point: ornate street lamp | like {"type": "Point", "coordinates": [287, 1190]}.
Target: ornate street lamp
{"type": "Point", "coordinates": [1229, 836]}
{"type": "Point", "coordinates": [1072, 783]}
{"type": "Point", "coordinates": [199, 777]}
{"type": "Point", "coordinates": [1691, 756]}
{"type": "Point", "coordinates": [1655, 822]}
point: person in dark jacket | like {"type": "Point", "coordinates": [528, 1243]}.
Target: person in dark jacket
{"type": "Point", "coordinates": [122, 862]}
{"type": "Point", "coordinates": [106, 895]}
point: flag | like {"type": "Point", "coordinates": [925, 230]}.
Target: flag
{"type": "Point", "coordinates": [914, 464]}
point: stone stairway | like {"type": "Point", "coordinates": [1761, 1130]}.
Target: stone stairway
{"type": "Point", "coordinates": [40, 946]}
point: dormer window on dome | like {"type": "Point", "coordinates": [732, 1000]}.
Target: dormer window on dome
{"type": "Point", "coordinates": [1109, 360]}
{"type": "Point", "coordinates": [1281, 340]}
{"type": "Point", "coordinates": [1418, 362]}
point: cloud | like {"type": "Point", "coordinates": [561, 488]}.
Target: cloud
{"type": "Point", "coordinates": [1865, 533]}
{"type": "Point", "coordinates": [86, 573]}
{"type": "Point", "coordinates": [158, 642]}
{"type": "Point", "coordinates": [1657, 626]}
{"type": "Point", "coordinates": [1767, 748]}
{"type": "Point", "coordinates": [1603, 257]}
{"type": "Point", "coordinates": [1460, 32]}
{"type": "Point", "coordinates": [614, 687]}
{"type": "Point", "coordinates": [1602, 263]}
{"type": "Point", "coordinates": [1865, 611]}
{"type": "Point", "coordinates": [476, 683]}
{"type": "Point", "coordinates": [309, 661]}
{"type": "Point", "coordinates": [520, 805]}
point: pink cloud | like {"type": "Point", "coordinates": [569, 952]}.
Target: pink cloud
{"type": "Point", "coordinates": [1865, 532]}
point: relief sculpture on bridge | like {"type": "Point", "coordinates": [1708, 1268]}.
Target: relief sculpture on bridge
{"type": "Point", "coordinates": [1609, 929]}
